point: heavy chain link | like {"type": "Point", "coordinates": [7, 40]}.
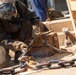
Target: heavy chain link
{"type": "Point", "coordinates": [56, 64]}
{"type": "Point", "coordinates": [52, 64]}
{"type": "Point", "coordinates": [12, 71]}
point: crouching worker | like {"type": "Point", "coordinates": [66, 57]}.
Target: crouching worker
{"type": "Point", "coordinates": [9, 30]}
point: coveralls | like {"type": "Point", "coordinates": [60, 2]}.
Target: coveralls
{"type": "Point", "coordinates": [40, 8]}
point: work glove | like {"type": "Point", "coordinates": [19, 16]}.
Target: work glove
{"type": "Point", "coordinates": [19, 46]}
